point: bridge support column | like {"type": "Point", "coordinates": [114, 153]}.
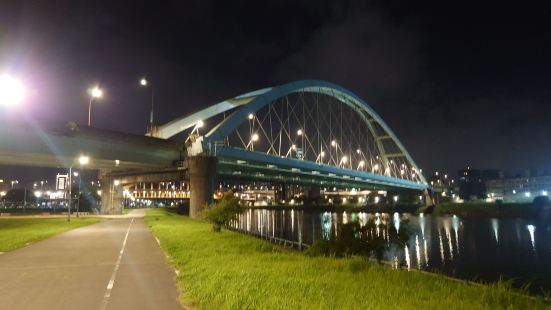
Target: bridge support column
{"type": "Point", "coordinates": [111, 194]}
{"type": "Point", "coordinates": [202, 173]}
{"type": "Point", "coordinates": [428, 199]}
{"type": "Point", "coordinates": [313, 194]}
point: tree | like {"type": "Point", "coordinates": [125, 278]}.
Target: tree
{"type": "Point", "coordinates": [222, 212]}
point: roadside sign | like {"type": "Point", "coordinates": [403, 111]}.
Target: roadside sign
{"type": "Point", "coordinates": [61, 182]}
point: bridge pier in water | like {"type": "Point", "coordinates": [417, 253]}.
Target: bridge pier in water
{"type": "Point", "coordinates": [202, 174]}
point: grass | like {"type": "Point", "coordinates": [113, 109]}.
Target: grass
{"type": "Point", "coordinates": [15, 233]}
{"type": "Point", "coordinates": [228, 270]}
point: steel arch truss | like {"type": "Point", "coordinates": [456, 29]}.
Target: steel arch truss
{"type": "Point", "coordinates": [312, 129]}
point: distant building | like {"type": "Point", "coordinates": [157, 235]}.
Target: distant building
{"type": "Point", "coordinates": [518, 189]}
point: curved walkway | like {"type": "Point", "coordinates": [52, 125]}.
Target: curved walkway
{"type": "Point", "coordinates": [115, 264]}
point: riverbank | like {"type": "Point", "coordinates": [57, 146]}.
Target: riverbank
{"type": "Point", "coordinates": [231, 270]}
{"type": "Point", "coordinates": [15, 233]}
{"type": "Point", "coordinates": [484, 209]}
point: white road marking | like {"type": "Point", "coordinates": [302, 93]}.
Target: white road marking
{"type": "Point", "coordinates": [114, 274]}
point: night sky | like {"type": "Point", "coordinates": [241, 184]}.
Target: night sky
{"type": "Point", "coordinates": [460, 83]}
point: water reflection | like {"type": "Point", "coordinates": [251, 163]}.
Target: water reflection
{"type": "Point", "coordinates": [469, 248]}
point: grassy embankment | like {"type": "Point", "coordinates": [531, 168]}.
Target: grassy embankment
{"type": "Point", "coordinates": [484, 209]}
{"type": "Point", "coordinates": [15, 233]}
{"type": "Point", "coordinates": [229, 270]}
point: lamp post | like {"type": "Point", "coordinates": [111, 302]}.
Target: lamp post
{"type": "Point", "coordinates": [76, 174]}
{"type": "Point", "coordinates": [95, 92]}
{"type": "Point", "coordinates": [82, 160]}
{"type": "Point", "coordinates": [254, 138]}
{"type": "Point", "coordinates": [144, 83]}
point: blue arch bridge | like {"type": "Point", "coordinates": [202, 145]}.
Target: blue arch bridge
{"type": "Point", "coordinates": [314, 134]}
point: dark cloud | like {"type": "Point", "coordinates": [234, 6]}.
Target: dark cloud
{"type": "Point", "coordinates": [459, 83]}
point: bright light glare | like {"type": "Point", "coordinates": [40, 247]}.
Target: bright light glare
{"type": "Point", "coordinates": [38, 194]}
{"type": "Point", "coordinates": [11, 91]}
{"type": "Point", "coordinates": [344, 159]}
{"type": "Point", "coordinates": [117, 182]}
{"type": "Point", "coordinates": [2, 194]}
{"type": "Point", "coordinates": [255, 137]}
{"type": "Point", "coordinates": [334, 143]}
{"type": "Point", "coordinates": [200, 124]}
{"type": "Point", "coordinates": [299, 132]}
{"type": "Point", "coordinates": [96, 92]}
{"type": "Point", "coordinates": [251, 116]}
{"type": "Point", "coordinates": [362, 163]}
{"type": "Point", "coordinates": [143, 82]}
{"type": "Point", "coordinates": [75, 174]}
{"type": "Point", "coordinates": [84, 160]}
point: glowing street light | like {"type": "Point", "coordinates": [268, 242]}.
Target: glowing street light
{"type": "Point", "coordinates": [251, 116]}
{"type": "Point", "coordinates": [344, 159]}
{"type": "Point", "coordinates": [83, 160]}
{"type": "Point", "coordinates": [11, 91]}
{"type": "Point", "coordinates": [254, 138]}
{"type": "Point", "coordinates": [361, 164]}
{"type": "Point", "coordinates": [299, 132]}
{"type": "Point", "coordinates": [144, 83]}
{"type": "Point", "coordinates": [95, 93]}
{"type": "Point", "coordinates": [200, 124]}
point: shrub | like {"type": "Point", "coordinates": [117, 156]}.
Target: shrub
{"type": "Point", "coordinates": [222, 212]}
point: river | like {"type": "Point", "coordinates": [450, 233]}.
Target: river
{"type": "Point", "coordinates": [481, 249]}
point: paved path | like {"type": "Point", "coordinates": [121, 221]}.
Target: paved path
{"type": "Point", "coordinates": [116, 264]}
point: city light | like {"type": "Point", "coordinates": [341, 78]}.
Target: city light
{"type": "Point", "coordinates": [251, 116]}
{"type": "Point", "coordinates": [544, 192]}
{"type": "Point", "coordinates": [344, 159]}
{"type": "Point", "coordinates": [527, 194]}
{"type": "Point", "coordinates": [117, 182]}
{"type": "Point", "coordinates": [11, 91]}
{"type": "Point", "coordinates": [254, 138]}
{"type": "Point", "coordinates": [75, 174]}
{"type": "Point", "coordinates": [299, 132]}
{"type": "Point", "coordinates": [38, 194]}
{"type": "Point", "coordinates": [84, 160]}
{"type": "Point", "coordinates": [2, 194]}
{"type": "Point", "coordinates": [322, 154]}
{"type": "Point", "coordinates": [334, 143]}
{"type": "Point", "coordinates": [143, 82]}
{"type": "Point", "coordinates": [200, 124]}
{"type": "Point", "coordinates": [96, 92]}
{"type": "Point", "coordinates": [361, 164]}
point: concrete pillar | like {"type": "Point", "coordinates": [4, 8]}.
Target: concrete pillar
{"type": "Point", "coordinates": [428, 199]}
{"type": "Point", "coordinates": [280, 192]}
{"type": "Point", "coordinates": [111, 194]}
{"type": "Point", "coordinates": [202, 174]}
{"type": "Point", "coordinates": [313, 194]}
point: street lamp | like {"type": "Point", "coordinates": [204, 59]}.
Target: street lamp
{"type": "Point", "coordinates": [144, 83]}
{"type": "Point", "coordinates": [11, 91]}
{"type": "Point", "coordinates": [82, 160]}
{"type": "Point", "coordinates": [75, 174]}
{"type": "Point", "coordinates": [95, 92]}
{"type": "Point", "coordinates": [254, 138]}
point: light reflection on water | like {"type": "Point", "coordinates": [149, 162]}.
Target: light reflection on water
{"type": "Point", "coordinates": [472, 248]}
